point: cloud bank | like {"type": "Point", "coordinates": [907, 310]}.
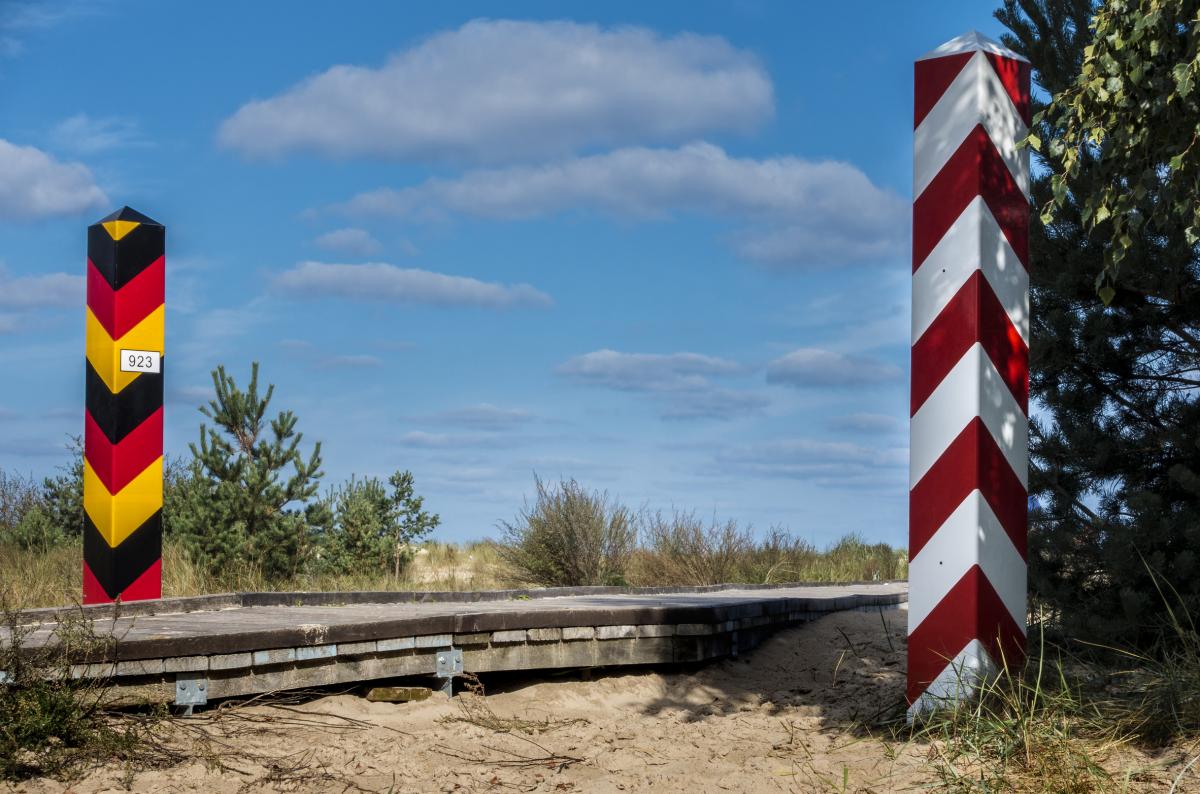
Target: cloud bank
{"type": "Point", "coordinates": [496, 89]}
{"type": "Point", "coordinates": [390, 284]}
{"type": "Point", "coordinates": [34, 185]}
{"type": "Point", "coordinates": [811, 367]}
{"type": "Point", "coordinates": [793, 211]}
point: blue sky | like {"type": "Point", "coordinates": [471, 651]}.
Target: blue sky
{"type": "Point", "coordinates": [657, 247]}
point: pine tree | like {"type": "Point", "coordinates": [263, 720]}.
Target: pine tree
{"type": "Point", "coordinates": [373, 528]}
{"type": "Point", "coordinates": [1115, 433]}
{"type": "Point", "coordinates": [241, 502]}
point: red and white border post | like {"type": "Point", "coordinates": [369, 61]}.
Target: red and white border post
{"type": "Point", "coordinates": [970, 370]}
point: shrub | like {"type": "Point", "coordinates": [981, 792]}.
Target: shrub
{"type": "Point", "coordinates": [685, 551]}
{"type": "Point", "coordinates": [570, 537]}
{"type": "Point", "coordinates": [372, 528]}
{"type": "Point", "coordinates": [50, 722]}
{"type": "Point", "coordinates": [38, 517]}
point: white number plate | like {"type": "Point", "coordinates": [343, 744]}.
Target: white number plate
{"type": "Point", "coordinates": [141, 361]}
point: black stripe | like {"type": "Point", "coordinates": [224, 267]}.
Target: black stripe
{"type": "Point", "coordinates": [119, 261]}
{"type": "Point", "coordinates": [118, 414]}
{"type": "Point", "coordinates": [116, 569]}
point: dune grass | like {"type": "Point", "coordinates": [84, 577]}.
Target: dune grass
{"type": "Point", "coordinates": [52, 576]}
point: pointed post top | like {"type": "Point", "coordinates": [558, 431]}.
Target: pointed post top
{"type": "Point", "coordinates": [972, 41]}
{"type": "Point", "coordinates": [128, 215]}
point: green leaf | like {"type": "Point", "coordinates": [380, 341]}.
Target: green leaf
{"type": "Point", "coordinates": [1107, 294]}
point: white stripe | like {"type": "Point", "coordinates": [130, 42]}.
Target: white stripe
{"type": "Point", "coordinates": [972, 40]}
{"type": "Point", "coordinates": [972, 388]}
{"type": "Point", "coordinates": [972, 535]}
{"type": "Point", "coordinates": [973, 242]}
{"type": "Point", "coordinates": [976, 96]}
{"type": "Point", "coordinates": [959, 680]}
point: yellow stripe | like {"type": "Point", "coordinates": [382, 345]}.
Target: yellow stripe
{"type": "Point", "coordinates": [118, 516]}
{"type": "Point", "coordinates": [118, 229]}
{"type": "Point", "coordinates": [105, 354]}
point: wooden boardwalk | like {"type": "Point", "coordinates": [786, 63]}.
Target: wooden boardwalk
{"type": "Point", "coordinates": [189, 650]}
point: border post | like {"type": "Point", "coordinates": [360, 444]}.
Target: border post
{"type": "Point", "coordinates": [123, 433]}
{"type": "Point", "coordinates": [970, 370]}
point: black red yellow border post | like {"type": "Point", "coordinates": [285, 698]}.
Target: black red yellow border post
{"type": "Point", "coordinates": [123, 434]}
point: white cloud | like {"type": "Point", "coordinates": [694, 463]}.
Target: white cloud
{"type": "Point", "coordinates": [18, 19]}
{"type": "Point", "coordinates": [356, 242]}
{"type": "Point", "coordinates": [720, 404]}
{"type": "Point", "coordinates": [50, 290]}
{"type": "Point", "coordinates": [34, 185]}
{"type": "Point", "coordinates": [87, 135]}
{"type": "Point", "coordinates": [825, 462]}
{"type": "Point", "coordinates": [681, 382]}
{"type": "Point", "coordinates": [795, 211]}
{"type": "Point", "coordinates": [865, 423]}
{"type": "Point", "coordinates": [646, 371]}
{"type": "Point", "coordinates": [423, 440]}
{"type": "Point", "coordinates": [484, 415]}
{"type": "Point", "coordinates": [498, 89]}
{"type": "Point", "coordinates": [810, 367]}
{"type": "Point", "coordinates": [388, 283]}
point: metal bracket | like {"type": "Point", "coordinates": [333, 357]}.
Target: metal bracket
{"type": "Point", "coordinates": [449, 665]}
{"type": "Point", "coordinates": [191, 691]}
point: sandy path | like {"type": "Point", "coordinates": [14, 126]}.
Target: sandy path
{"type": "Point", "coordinates": [781, 718]}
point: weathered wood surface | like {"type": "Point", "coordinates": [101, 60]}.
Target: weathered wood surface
{"type": "Point", "coordinates": [189, 650]}
{"type": "Point", "coordinates": [253, 623]}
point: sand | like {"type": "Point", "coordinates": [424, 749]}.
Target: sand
{"type": "Point", "coordinates": [794, 715]}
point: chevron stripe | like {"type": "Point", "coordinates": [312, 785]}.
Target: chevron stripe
{"type": "Point", "coordinates": [115, 569]}
{"type": "Point", "coordinates": [117, 464]}
{"type": "Point", "coordinates": [118, 415]}
{"type": "Point", "coordinates": [977, 96]}
{"type": "Point", "coordinates": [1014, 74]}
{"type": "Point", "coordinates": [973, 388]}
{"type": "Point", "coordinates": [119, 311]}
{"type": "Point", "coordinates": [958, 680]}
{"type": "Point", "coordinates": [148, 585]}
{"type": "Point", "coordinates": [103, 352]}
{"type": "Point", "coordinates": [975, 169]}
{"type": "Point", "coordinates": [117, 515]}
{"type": "Point", "coordinates": [137, 250]}
{"type": "Point", "coordinates": [932, 77]}
{"type": "Point", "coordinates": [971, 610]}
{"type": "Point", "coordinates": [974, 242]}
{"type": "Point", "coordinates": [973, 315]}
{"type": "Point", "coordinates": [972, 462]}
{"type": "Point", "coordinates": [969, 400]}
{"type": "Point", "coordinates": [970, 536]}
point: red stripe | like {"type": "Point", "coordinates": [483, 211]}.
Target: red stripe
{"type": "Point", "coordinates": [972, 610]}
{"type": "Point", "coordinates": [93, 591]}
{"type": "Point", "coordinates": [1014, 75]}
{"type": "Point", "coordinates": [973, 460]}
{"type": "Point", "coordinates": [146, 586]}
{"type": "Point", "coordinates": [975, 169]}
{"type": "Point", "coordinates": [117, 464]}
{"type": "Point", "coordinates": [932, 78]}
{"type": "Point", "coordinates": [973, 315]}
{"type": "Point", "coordinates": [120, 310]}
